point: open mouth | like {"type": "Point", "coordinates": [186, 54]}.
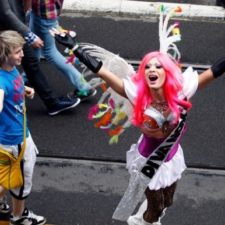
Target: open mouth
{"type": "Point", "coordinates": [153, 77]}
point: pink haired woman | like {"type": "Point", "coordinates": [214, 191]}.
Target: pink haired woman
{"type": "Point", "coordinates": [159, 93]}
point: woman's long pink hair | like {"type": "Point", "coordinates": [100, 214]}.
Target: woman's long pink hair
{"type": "Point", "coordinates": [171, 87]}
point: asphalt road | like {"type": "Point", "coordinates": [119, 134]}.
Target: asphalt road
{"type": "Point", "coordinates": [71, 135]}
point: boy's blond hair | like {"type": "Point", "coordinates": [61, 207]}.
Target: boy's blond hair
{"type": "Point", "coordinates": [8, 41]}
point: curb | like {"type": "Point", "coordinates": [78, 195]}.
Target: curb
{"type": "Point", "coordinates": [143, 9]}
{"type": "Point", "coordinates": [78, 174]}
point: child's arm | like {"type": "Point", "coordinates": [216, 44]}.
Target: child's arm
{"type": "Point", "coordinates": [29, 92]}
{"type": "Point", "coordinates": [1, 99]}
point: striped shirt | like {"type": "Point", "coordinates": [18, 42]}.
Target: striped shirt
{"type": "Point", "coordinates": [47, 9]}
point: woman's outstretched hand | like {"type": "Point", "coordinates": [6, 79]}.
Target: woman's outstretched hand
{"type": "Point", "coordinates": [67, 40]}
{"type": "Point", "coordinates": [63, 38]}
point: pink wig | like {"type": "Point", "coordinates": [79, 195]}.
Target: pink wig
{"type": "Point", "coordinates": [172, 87]}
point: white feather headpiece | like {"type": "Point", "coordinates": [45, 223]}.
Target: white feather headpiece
{"type": "Point", "coordinates": [169, 35]}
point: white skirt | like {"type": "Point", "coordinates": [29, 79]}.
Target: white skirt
{"type": "Point", "coordinates": [168, 172]}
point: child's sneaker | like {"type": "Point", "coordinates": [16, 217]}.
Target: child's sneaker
{"type": "Point", "coordinates": [4, 208]}
{"type": "Point", "coordinates": [27, 218]}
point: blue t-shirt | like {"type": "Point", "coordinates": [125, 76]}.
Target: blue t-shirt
{"type": "Point", "coordinates": [12, 115]}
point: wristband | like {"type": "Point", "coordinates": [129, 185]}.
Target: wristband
{"type": "Point", "coordinates": [218, 68]}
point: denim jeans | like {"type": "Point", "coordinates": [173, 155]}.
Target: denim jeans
{"type": "Point", "coordinates": [41, 28]}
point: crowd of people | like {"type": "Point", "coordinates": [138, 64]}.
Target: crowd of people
{"type": "Point", "coordinates": [13, 17]}
{"type": "Point", "coordinates": [159, 93]}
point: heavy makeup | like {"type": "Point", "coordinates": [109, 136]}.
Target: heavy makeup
{"type": "Point", "coordinates": [155, 74]}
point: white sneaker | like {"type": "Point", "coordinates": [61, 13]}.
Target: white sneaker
{"type": "Point", "coordinates": [133, 220]}
{"type": "Point", "coordinates": [154, 223]}
{"type": "Point", "coordinates": [4, 208]}
{"type": "Point", "coordinates": [27, 218]}
{"type": "Point", "coordinates": [138, 217]}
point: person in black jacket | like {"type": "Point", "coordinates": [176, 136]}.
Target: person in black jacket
{"type": "Point", "coordinates": [13, 17]}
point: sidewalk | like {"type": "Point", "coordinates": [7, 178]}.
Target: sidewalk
{"type": "Point", "coordinates": [97, 187]}
{"type": "Point", "coordinates": [143, 8]}
{"type": "Point", "coordinates": [82, 192]}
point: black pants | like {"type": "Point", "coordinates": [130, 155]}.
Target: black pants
{"type": "Point", "coordinates": [36, 78]}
